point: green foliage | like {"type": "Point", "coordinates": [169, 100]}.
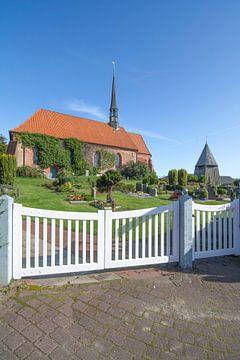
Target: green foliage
{"type": "Point", "coordinates": [107, 159]}
{"type": "Point", "coordinates": [8, 166]}
{"type": "Point", "coordinates": [28, 171]}
{"type": "Point", "coordinates": [182, 177]}
{"type": "Point", "coordinates": [66, 187]}
{"type": "Point", "coordinates": [50, 150]}
{"type": "Point", "coordinates": [192, 178]}
{"type": "Point", "coordinates": [108, 180]}
{"type": "Point", "coordinates": [135, 171]}
{"type": "Point", "coordinates": [63, 176]}
{"type": "Point", "coordinates": [221, 191]}
{"type": "Point", "coordinates": [173, 177]}
{"type": "Point", "coordinates": [202, 179]}
{"type": "Point", "coordinates": [77, 161]}
{"type": "Point", "coordinates": [152, 178]}
{"type": "Point", "coordinates": [3, 144]}
{"type": "Point", "coordinates": [125, 188]}
{"type": "Point", "coordinates": [236, 182]}
{"type": "Point", "coordinates": [202, 194]}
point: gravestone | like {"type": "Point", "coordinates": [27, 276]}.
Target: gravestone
{"type": "Point", "coordinates": [139, 186]}
{"type": "Point", "coordinates": [153, 192]}
{"type": "Point", "coordinates": [144, 187]}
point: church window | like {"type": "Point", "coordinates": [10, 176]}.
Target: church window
{"type": "Point", "coordinates": [35, 155]}
{"type": "Point", "coordinates": [96, 161]}
{"type": "Point", "coordinates": [118, 161]}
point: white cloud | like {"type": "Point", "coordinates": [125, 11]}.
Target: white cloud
{"type": "Point", "coordinates": [154, 135]}
{"type": "Point", "coordinates": [81, 106]}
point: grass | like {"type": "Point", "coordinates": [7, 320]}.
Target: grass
{"type": "Point", "coordinates": [33, 193]}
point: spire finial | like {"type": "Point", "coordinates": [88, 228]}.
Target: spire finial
{"type": "Point", "coordinates": [114, 67]}
{"type": "Point", "coordinates": [206, 140]}
{"type": "Point", "coordinates": [113, 115]}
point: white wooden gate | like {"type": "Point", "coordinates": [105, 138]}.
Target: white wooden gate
{"type": "Point", "coordinates": [53, 242]}
{"type": "Point", "coordinates": [215, 229]}
{"type": "Point", "coordinates": [142, 237]}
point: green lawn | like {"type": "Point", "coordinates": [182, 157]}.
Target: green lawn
{"type": "Point", "coordinates": [33, 193]}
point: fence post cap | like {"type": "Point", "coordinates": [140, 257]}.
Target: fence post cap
{"type": "Point", "coordinates": [6, 197]}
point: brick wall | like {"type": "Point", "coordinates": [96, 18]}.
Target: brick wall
{"type": "Point", "coordinates": [91, 149]}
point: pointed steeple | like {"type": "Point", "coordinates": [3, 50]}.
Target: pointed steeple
{"type": "Point", "coordinates": [113, 113]}
{"type": "Point", "coordinates": [206, 158]}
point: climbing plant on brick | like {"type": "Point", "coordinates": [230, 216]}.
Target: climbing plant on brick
{"type": "Point", "coordinates": [75, 148]}
{"type": "Point", "coordinates": [50, 150]}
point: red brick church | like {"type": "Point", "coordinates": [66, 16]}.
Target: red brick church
{"type": "Point", "coordinates": [96, 135]}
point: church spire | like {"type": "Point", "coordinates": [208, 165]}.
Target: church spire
{"type": "Point", "coordinates": [113, 114]}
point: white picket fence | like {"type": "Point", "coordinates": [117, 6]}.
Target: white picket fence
{"type": "Point", "coordinates": [54, 242]}
{"type": "Point", "coordinates": [49, 242]}
{"type": "Point", "coordinates": [215, 229]}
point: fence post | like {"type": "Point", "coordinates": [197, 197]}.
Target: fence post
{"type": "Point", "coordinates": [185, 232]}
{"type": "Point", "coordinates": [238, 224]}
{"type": "Point", "coordinates": [6, 223]}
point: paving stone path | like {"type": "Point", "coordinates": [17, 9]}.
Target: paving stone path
{"type": "Point", "coordinates": [145, 314]}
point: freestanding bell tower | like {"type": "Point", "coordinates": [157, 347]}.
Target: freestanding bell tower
{"type": "Point", "coordinates": [208, 167]}
{"type": "Point", "coordinates": [113, 113]}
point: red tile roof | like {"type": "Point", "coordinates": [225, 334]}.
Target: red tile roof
{"type": "Point", "coordinates": [140, 143]}
{"type": "Point", "coordinates": [65, 126]}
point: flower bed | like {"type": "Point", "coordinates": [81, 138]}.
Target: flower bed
{"type": "Point", "coordinates": [78, 199]}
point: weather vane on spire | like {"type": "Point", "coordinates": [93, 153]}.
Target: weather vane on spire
{"type": "Point", "coordinates": [114, 65]}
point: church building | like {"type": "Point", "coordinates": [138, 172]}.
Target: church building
{"type": "Point", "coordinates": [95, 135]}
{"type": "Point", "coordinates": [207, 166]}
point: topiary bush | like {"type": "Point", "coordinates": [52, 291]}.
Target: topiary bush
{"type": "Point", "coordinates": [182, 177]}
{"type": "Point", "coordinates": [8, 167]}
{"type": "Point", "coordinates": [28, 171]}
{"type": "Point", "coordinates": [172, 177]}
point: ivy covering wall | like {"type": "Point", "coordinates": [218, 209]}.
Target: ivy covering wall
{"type": "Point", "coordinates": [66, 153]}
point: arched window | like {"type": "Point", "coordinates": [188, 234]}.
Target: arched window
{"type": "Point", "coordinates": [35, 155]}
{"type": "Point", "coordinates": [118, 161]}
{"type": "Point", "coordinates": [96, 160]}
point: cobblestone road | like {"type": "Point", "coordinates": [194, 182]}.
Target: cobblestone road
{"type": "Point", "coordinates": [146, 314]}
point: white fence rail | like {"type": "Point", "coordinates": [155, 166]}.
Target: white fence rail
{"type": "Point", "coordinates": [215, 229]}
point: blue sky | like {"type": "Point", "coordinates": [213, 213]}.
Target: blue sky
{"type": "Point", "coordinates": [177, 64]}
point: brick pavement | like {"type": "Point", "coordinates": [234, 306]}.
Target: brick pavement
{"type": "Point", "coordinates": [146, 314]}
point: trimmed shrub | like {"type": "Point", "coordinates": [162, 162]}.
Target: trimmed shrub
{"type": "Point", "coordinates": [173, 177]}
{"type": "Point", "coordinates": [8, 166]}
{"type": "Point", "coordinates": [192, 178]}
{"type": "Point", "coordinates": [28, 171]}
{"type": "Point", "coordinates": [202, 194]}
{"type": "Point", "coordinates": [182, 177]}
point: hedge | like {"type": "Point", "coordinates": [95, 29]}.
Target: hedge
{"type": "Point", "coordinates": [8, 167]}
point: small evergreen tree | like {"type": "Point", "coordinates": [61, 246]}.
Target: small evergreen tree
{"type": "Point", "coordinates": [173, 177]}
{"type": "Point", "coordinates": [8, 167]}
{"type": "Point", "coordinates": [182, 177]}
{"type": "Point", "coordinates": [107, 181]}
